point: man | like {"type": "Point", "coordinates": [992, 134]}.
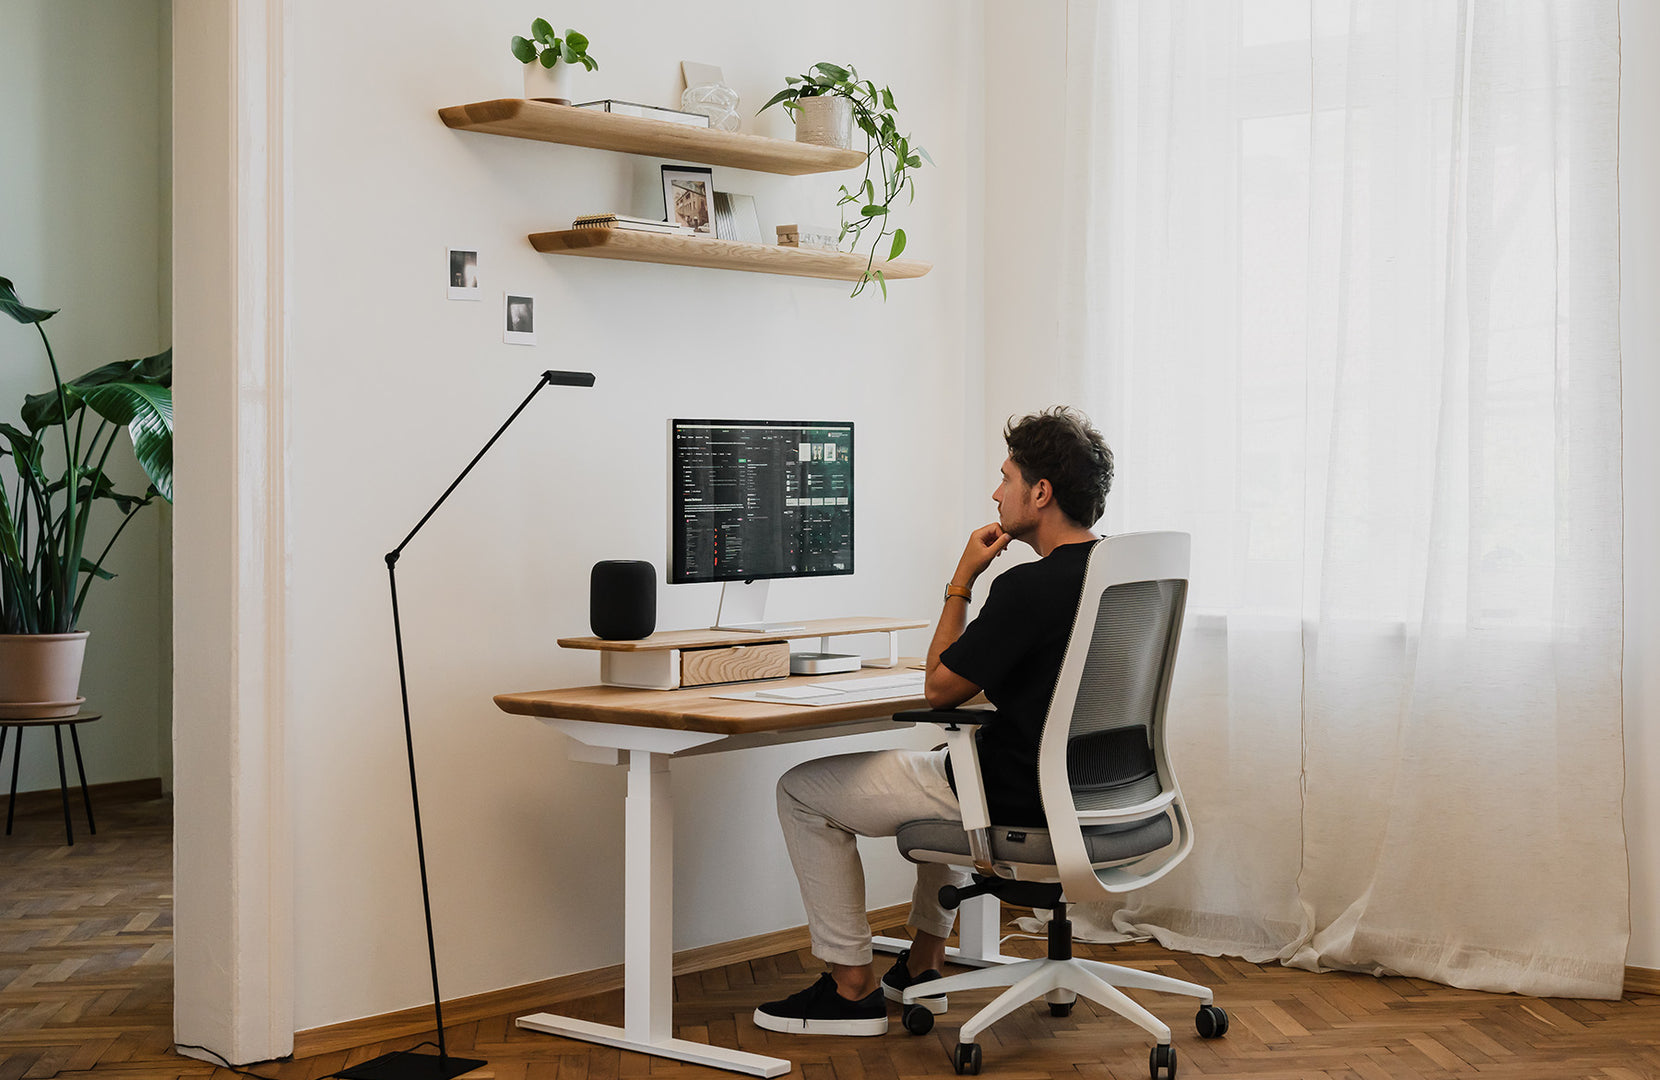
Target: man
{"type": "Point", "coordinates": [1055, 483]}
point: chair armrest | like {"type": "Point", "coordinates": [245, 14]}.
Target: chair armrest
{"type": "Point", "coordinates": [946, 718]}
{"type": "Point", "coordinates": [960, 726]}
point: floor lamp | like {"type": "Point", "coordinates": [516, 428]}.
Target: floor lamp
{"type": "Point", "coordinates": [407, 1064]}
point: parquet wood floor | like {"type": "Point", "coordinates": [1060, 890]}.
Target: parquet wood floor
{"type": "Point", "coordinates": [86, 985]}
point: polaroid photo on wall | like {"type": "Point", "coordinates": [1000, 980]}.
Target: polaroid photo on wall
{"type": "Point", "coordinates": [518, 319]}
{"type": "Point", "coordinates": [689, 197]}
{"type": "Point", "coordinates": [464, 274]}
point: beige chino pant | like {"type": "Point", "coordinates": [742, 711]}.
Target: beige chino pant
{"type": "Point", "coordinates": [825, 804]}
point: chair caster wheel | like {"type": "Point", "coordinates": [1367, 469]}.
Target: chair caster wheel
{"type": "Point", "coordinates": [917, 1019]}
{"type": "Point", "coordinates": [1163, 1062]}
{"type": "Point", "coordinates": [1060, 1010]}
{"type": "Point", "coordinates": [1212, 1022]}
{"type": "Point", "coordinates": [967, 1058]}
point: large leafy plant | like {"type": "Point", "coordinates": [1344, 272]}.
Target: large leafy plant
{"type": "Point", "coordinates": [889, 161]}
{"type": "Point", "coordinates": [48, 501]}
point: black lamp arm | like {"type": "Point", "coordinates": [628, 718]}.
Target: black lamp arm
{"type": "Point", "coordinates": [549, 378]}
{"type": "Point", "coordinates": [404, 1065]}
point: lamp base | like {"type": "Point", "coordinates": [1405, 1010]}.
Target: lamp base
{"type": "Point", "coordinates": [408, 1065]}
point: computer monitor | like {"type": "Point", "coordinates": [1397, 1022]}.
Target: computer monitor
{"type": "Point", "coordinates": [755, 500]}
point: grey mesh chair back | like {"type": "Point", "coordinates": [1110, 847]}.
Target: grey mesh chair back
{"type": "Point", "coordinates": [1102, 764]}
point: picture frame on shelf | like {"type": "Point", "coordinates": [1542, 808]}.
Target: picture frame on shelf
{"type": "Point", "coordinates": [688, 197]}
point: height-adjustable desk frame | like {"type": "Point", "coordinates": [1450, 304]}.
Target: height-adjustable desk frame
{"type": "Point", "coordinates": [641, 730]}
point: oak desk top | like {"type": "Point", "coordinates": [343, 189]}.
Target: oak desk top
{"type": "Point", "coordinates": [696, 710]}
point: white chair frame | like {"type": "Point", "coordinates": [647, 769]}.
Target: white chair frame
{"type": "Point", "coordinates": [1117, 560]}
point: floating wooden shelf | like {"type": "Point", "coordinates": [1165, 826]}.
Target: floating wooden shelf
{"type": "Point", "coordinates": [634, 246]}
{"type": "Point", "coordinates": [544, 121]}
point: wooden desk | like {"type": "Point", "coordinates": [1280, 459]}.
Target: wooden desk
{"type": "Point", "coordinates": [642, 730]}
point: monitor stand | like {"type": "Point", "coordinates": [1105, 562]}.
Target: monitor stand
{"type": "Point", "coordinates": [742, 607]}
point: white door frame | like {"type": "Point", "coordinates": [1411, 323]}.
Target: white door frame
{"type": "Point", "coordinates": [233, 878]}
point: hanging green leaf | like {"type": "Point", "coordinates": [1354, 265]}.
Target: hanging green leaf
{"type": "Point", "coordinates": [11, 305]}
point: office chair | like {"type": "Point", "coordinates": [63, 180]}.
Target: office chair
{"type": "Point", "coordinates": [1116, 817]}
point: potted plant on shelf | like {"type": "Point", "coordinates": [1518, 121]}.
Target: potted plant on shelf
{"type": "Point", "coordinates": [549, 61]}
{"type": "Point", "coordinates": [45, 508]}
{"type": "Point", "coordinates": [825, 103]}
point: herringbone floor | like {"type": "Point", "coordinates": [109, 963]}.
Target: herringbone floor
{"type": "Point", "coordinates": [86, 984]}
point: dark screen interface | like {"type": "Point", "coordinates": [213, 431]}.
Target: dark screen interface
{"type": "Point", "coordinates": [761, 499]}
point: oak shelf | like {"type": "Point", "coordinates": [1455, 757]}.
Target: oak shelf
{"type": "Point", "coordinates": [544, 121]}
{"type": "Point", "coordinates": [632, 246]}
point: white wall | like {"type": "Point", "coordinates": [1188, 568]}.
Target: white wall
{"type": "Point", "coordinates": [83, 187]}
{"type": "Point", "coordinates": [1640, 345]}
{"type": "Point", "coordinates": [392, 388]}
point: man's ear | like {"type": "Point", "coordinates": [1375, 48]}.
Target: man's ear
{"type": "Point", "coordinates": [1042, 494]}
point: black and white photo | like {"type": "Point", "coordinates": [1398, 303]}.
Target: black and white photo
{"type": "Point", "coordinates": [518, 319]}
{"type": "Point", "coordinates": [464, 274]}
{"type": "Point", "coordinates": [689, 197]}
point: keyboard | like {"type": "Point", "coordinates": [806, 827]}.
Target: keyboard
{"type": "Point", "coordinates": [842, 692]}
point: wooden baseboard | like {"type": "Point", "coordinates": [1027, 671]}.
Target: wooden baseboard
{"type": "Point", "coordinates": [532, 997]}
{"type": "Point", "coordinates": [121, 790]}
{"type": "Point", "coordinates": [1642, 980]}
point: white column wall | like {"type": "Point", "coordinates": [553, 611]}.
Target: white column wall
{"type": "Point", "coordinates": [391, 388]}
{"type": "Point", "coordinates": [83, 171]}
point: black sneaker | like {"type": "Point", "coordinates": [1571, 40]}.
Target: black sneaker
{"type": "Point", "coordinates": [899, 977]}
{"type": "Point", "coordinates": [819, 1010]}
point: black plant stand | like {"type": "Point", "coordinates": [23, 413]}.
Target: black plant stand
{"type": "Point", "coordinates": [57, 724]}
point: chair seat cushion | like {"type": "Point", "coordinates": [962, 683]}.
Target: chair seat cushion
{"type": "Point", "coordinates": [1105, 843]}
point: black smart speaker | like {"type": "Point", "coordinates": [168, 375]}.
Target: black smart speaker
{"type": "Point", "coordinates": [622, 599]}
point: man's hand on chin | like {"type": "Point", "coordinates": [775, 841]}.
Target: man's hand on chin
{"type": "Point", "coordinates": [984, 545]}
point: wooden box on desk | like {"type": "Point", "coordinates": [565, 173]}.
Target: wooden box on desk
{"type": "Point", "coordinates": [675, 659]}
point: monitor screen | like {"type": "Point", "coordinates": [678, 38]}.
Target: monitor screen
{"type": "Point", "coordinates": [760, 499]}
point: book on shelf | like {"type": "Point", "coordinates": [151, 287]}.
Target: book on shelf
{"type": "Point", "coordinates": [636, 224]}
{"type": "Point", "coordinates": [646, 112]}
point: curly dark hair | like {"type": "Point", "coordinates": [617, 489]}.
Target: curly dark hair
{"type": "Point", "coordinates": [1060, 446]}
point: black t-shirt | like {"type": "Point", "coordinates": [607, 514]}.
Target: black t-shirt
{"type": "Point", "coordinates": [1013, 650]}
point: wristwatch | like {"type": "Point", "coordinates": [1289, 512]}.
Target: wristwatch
{"type": "Point", "coordinates": [958, 590]}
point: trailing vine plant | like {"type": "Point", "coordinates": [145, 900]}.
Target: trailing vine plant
{"type": "Point", "coordinates": [890, 159]}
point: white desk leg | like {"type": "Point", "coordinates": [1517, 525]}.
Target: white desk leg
{"type": "Point", "coordinates": [979, 931]}
{"type": "Point", "coordinates": [648, 900]}
{"type": "Point", "coordinates": [648, 946]}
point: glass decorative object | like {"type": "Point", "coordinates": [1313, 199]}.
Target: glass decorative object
{"type": "Point", "coordinates": [717, 101]}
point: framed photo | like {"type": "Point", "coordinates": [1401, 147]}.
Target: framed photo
{"type": "Point", "coordinates": [689, 197]}
{"type": "Point", "coordinates": [518, 319]}
{"type": "Point", "coordinates": [464, 274]}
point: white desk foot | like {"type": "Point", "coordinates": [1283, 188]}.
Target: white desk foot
{"type": "Point", "coordinates": [953, 954]}
{"type": "Point", "coordinates": [715, 1057]}
{"type": "Point", "coordinates": [978, 930]}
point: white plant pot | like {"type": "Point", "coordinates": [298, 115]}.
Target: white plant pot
{"type": "Point", "coordinates": [548, 84]}
{"type": "Point", "coordinates": [826, 120]}
{"type": "Point", "coordinates": [40, 674]}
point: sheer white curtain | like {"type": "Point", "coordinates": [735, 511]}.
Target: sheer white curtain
{"type": "Point", "coordinates": [1344, 298]}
